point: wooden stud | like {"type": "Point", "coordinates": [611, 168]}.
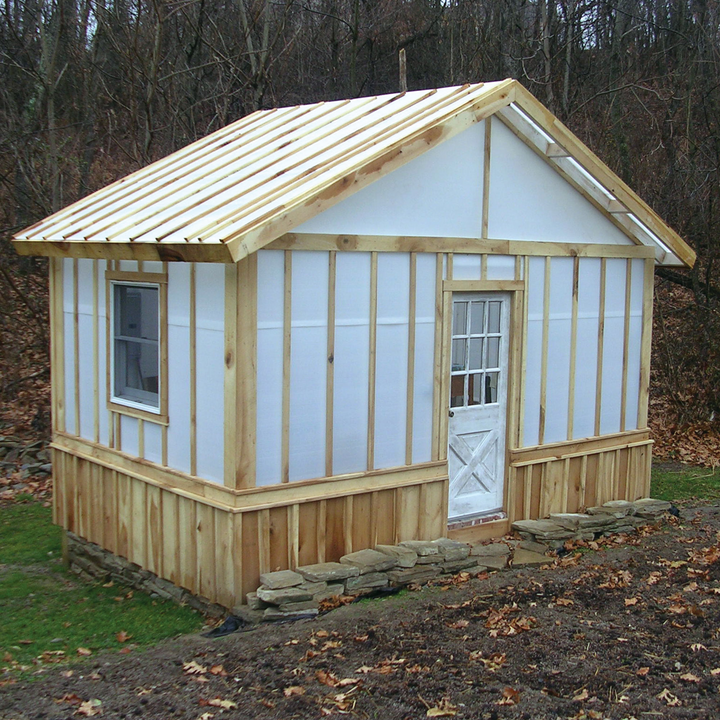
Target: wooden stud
{"type": "Point", "coordinates": [544, 357]}
{"type": "Point", "coordinates": [410, 399]}
{"type": "Point", "coordinates": [192, 390]}
{"type": "Point", "coordinates": [372, 361]}
{"type": "Point", "coordinates": [573, 348]}
{"type": "Point", "coordinates": [330, 367]}
{"type": "Point", "coordinates": [164, 441]}
{"type": "Point", "coordinates": [646, 342]}
{"type": "Point", "coordinates": [523, 355]}
{"type": "Point", "coordinates": [486, 181]}
{"type": "Point", "coordinates": [321, 530]}
{"type": "Point", "coordinates": [293, 536]}
{"type": "Point", "coordinates": [246, 397]}
{"type": "Point", "coordinates": [348, 503]}
{"type": "Point", "coordinates": [437, 358]}
{"type": "Point", "coordinates": [264, 536]}
{"type": "Point", "coordinates": [445, 375]}
{"type": "Point", "coordinates": [230, 381]}
{"type": "Point", "coordinates": [287, 349]}
{"type": "Point", "coordinates": [76, 346]}
{"type": "Point", "coordinates": [449, 267]}
{"type": "Point", "coordinates": [601, 341]}
{"type": "Point", "coordinates": [141, 437]}
{"type": "Point", "coordinates": [483, 285]}
{"type": "Point", "coordinates": [57, 341]}
{"type": "Point", "coordinates": [582, 500]}
{"type": "Point", "coordinates": [626, 344]}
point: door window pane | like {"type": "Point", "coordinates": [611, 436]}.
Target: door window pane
{"type": "Point", "coordinates": [458, 354]}
{"type": "Point", "coordinates": [476, 349]}
{"type": "Point", "coordinates": [475, 389]}
{"type": "Point", "coordinates": [477, 317]}
{"type": "Point", "coordinates": [493, 352]}
{"type": "Point", "coordinates": [460, 318]}
{"type": "Point", "coordinates": [491, 386]}
{"type": "Point", "coordinates": [494, 317]}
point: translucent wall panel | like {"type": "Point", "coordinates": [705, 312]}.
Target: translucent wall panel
{"type": "Point", "coordinates": [308, 364]}
{"type": "Point", "coordinates": [85, 348]}
{"type": "Point", "coordinates": [613, 346]}
{"type": "Point", "coordinates": [634, 345]}
{"type": "Point", "coordinates": [69, 344]}
{"type": "Point", "coordinates": [271, 271]}
{"type": "Point", "coordinates": [535, 289]}
{"type": "Point", "coordinates": [351, 362]}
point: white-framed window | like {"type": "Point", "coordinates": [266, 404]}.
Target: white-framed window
{"type": "Point", "coordinates": [137, 378]}
{"type": "Point", "coordinates": [136, 344]}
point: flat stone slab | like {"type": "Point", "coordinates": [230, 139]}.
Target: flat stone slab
{"type": "Point", "coordinates": [280, 579]}
{"type": "Point", "coordinates": [493, 562]}
{"type": "Point", "coordinates": [368, 561]}
{"type": "Point", "coordinates": [330, 591]}
{"type": "Point", "coordinates": [313, 587]}
{"type": "Point", "coordinates": [296, 606]}
{"type": "Point", "coordinates": [418, 574]}
{"type": "Point", "coordinates": [273, 613]}
{"type": "Point", "coordinates": [452, 549]}
{"type": "Point", "coordinates": [328, 572]}
{"type": "Point", "coordinates": [283, 595]}
{"type": "Point", "coordinates": [369, 580]}
{"type": "Point", "coordinates": [528, 557]}
{"type": "Point", "coordinates": [421, 547]}
{"type": "Point", "coordinates": [404, 557]}
{"type": "Point", "coordinates": [658, 505]}
{"type": "Point", "coordinates": [545, 529]}
{"type": "Point", "coordinates": [456, 566]}
{"type": "Point", "coordinates": [581, 521]}
{"type": "Point", "coordinates": [498, 549]}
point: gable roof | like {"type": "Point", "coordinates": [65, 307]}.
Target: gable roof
{"type": "Point", "coordinates": [238, 189]}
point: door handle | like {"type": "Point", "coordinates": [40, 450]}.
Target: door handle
{"type": "Point", "coordinates": [451, 414]}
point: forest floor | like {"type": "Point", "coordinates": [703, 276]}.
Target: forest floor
{"type": "Point", "coordinates": [630, 630]}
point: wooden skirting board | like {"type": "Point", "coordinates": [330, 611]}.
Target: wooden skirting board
{"type": "Point", "coordinates": [195, 543]}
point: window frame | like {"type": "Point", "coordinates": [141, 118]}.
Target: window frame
{"type": "Point", "coordinates": [126, 406]}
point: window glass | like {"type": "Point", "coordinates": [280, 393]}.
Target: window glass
{"type": "Point", "coordinates": [494, 317]}
{"type": "Point", "coordinates": [136, 375]}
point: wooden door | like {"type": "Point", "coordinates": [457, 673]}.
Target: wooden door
{"type": "Point", "coordinates": [478, 403]}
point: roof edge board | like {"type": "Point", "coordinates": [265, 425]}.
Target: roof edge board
{"type": "Point", "coordinates": [393, 157]}
{"type": "Point", "coordinates": [583, 155]}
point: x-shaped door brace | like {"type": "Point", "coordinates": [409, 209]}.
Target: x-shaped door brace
{"type": "Point", "coordinates": [474, 462]}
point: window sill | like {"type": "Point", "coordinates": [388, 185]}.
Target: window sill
{"type": "Point", "coordinates": [158, 418]}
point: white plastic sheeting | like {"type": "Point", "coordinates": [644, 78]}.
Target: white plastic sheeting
{"type": "Point", "coordinates": [210, 365]}
{"type": "Point", "coordinates": [438, 194]}
{"type": "Point", "coordinates": [612, 369]}
{"type": "Point", "coordinates": [535, 290]}
{"type": "Point", "coordinates": [530, 201]}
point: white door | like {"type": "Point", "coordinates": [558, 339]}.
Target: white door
{"type": "Point", "coordinates": [478, 402]}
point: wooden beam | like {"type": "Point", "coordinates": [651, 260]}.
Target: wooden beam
{"type": "Point", "coordinates": [192, 390]}
{"type": "Point", "coordinates": [372, 361]}
{"type": "Point", "coordinates": [76, 346]}
{"type": "Point", "coordinates": [573, 348]}
{"type": "Point", "coordinates": [410, 396]}
{"type": "Point", "coordinates": [544, 351]}
{"type": "Point", "coordinates": [287, 350]}
{"type": "Point", "coordinates": [478, 246]}
{"type": "Point", "coordinates": [230, 382]}
{"type": "Point", "coordinates": [330, 366]}
{"type": "Point", "coordinates": [646, 342]}
{"type": "Point", "coordinates": [486, 179]}
{"type": "Point", "coordinates": [437, 358]}
{"type": "Point", "coordinates": [96, 352]}
{"type": "Point", "coordinates": [57, 345]}
{"type": "Point", "coordinates": [600, 347]}
{"type": "Point", "coordinates": [626, 344]}
{"type": "Point", "coordinates": [483, 285]}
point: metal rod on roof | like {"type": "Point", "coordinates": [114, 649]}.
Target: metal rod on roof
{"type": "Point", "coordinates": [403, 70]}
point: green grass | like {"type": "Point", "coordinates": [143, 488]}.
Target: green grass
{"type": "Point", "coordinates": [684, 483]}
{"type": "Point", "coordinates": [48, 613]}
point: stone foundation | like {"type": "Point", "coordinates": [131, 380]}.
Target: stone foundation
{"type": "Point", "coordinates": [93, 563]}
{"type": "Point", "coordinates": [291, 594]}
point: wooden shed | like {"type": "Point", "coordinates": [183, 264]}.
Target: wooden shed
{"type": "Point", "coordinates": [329, 326]}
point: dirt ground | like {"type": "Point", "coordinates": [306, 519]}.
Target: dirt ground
{"type": "Point", "coordinates": [631, 630]}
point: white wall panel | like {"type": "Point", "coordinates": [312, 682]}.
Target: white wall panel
{"type": "Point", "coordinates": [535, 289]}
{"type": "Point", "coordinates": [87, 369]}
{"type": "Point", "coordinates": [271, 268]}
{"type": "Point", "coordinates": [69, 344]}
{"type": "Point", "coordinates": [634, 345]}
{"type": "Point", "coordinates": [613, 346]}
{"type": "Point", "coordinates": [531, 201]}
{"type": "Point", "coordinates": [179, 366]}
{"type": "Point", "coordinates": [352, 342]}
{"type": "Point", "coordinates": [153, 442]}
{"type": "Point", "coordinates": [501, 267]}
{"type": "Point", "coordinates": [308, 364]}
{"type": "Point", "coordinates": [128, 265]}
{"type": "Point", "coordinates": [467, 267]}
{"type": "Point", "coordinates": [129, 435]}
{"type": "Point", "coordinates": [586, 347]}
{"type": "Point", "coordinates": [210, 368]}
{"type": "Point", "coordinates": [104, 416]}
{"type": "Point", "coordinates": [558, 367]}
{"type": "Point", "coordinates": [424, 358]}
{"type": "Point", "coordinates": [391, 359]}
{"type": "Point", "coordinates": [437, 194]}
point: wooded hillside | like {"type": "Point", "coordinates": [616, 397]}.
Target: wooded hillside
{"type": "Point", "coordinates": [93, 89]}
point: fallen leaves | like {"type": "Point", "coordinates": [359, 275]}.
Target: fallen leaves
{"type": "Point", "coordinates": [294, 690]}
{"type": "Point", "coordinates": [669, 698]}
{"type": "Point", "coordinates": [193, 668]}
{"type": "Point", "coordinates": [443, 709]}
{"type": "Point", "coordinates": [90, 708]}
{"type": "Point", "coordinates": [510, 696]}
{"type": "Point", "coordinates": [501, 624]}
{"type": "Point", "coordinates": [84, 652]}
{"type": "Point", "coordinates": [122, 636]}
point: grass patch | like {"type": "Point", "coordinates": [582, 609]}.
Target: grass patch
{"type": "Point", "coordinates": [48, 613]}
{"type": "Point", "coordinates": [685, 483]}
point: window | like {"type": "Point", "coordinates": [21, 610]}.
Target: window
{"type": "Point", "coordinates": [476, 339]}
{"type": "Point", "coordinates": [136, 341]}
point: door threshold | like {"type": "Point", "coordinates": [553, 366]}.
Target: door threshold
{"type": "Point", "coordinates": [474, 520]}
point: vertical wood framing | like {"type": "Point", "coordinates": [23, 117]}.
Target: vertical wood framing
{"type": "Point", "coordinates": [523, 354]}
{"type": "Point", "coordinates": [193, 369]}
{"type": "Point", "coordinates": [231, 374]}
{"type": "Point", "coordinates": [445, 376]}
{"type": "Point", "coordinates": [96, 352]}
{"type": "Point", "coordinates": [76, 345]}
{"type": "Point", "coordinates": [409, 403]}
{"type": "Point", "coordinates": [486, 182]}
{"type": "Point", "coordinates": [246, 397]}
{"type": "Point", "coordinates": [483, 266]}
{"type": "Point", "coordinates": [372, 360]}
{"type": "Point", "coordinates": [57, 344]}
{"type": "Point", "coordinates": [437, 358]}
{"type": "Point", "coordinates": [626, 344]}
{"type": "Point", "coordinates": [573, 347]}
{"type": "Point", "coordinates": [544, 357]}
{"type": "Point", "coordinates": [287, 338]}
{"type": "Point", "coordinates": [141, 437]}
{"type": "Point", "coordinates": [108, 346]}
{"type": "Point", "coordinates": [330, 376]}
{"type": "Point", "coordinates": [646, 342]}
{"type": "Point", "coordinates": [601, 341]}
